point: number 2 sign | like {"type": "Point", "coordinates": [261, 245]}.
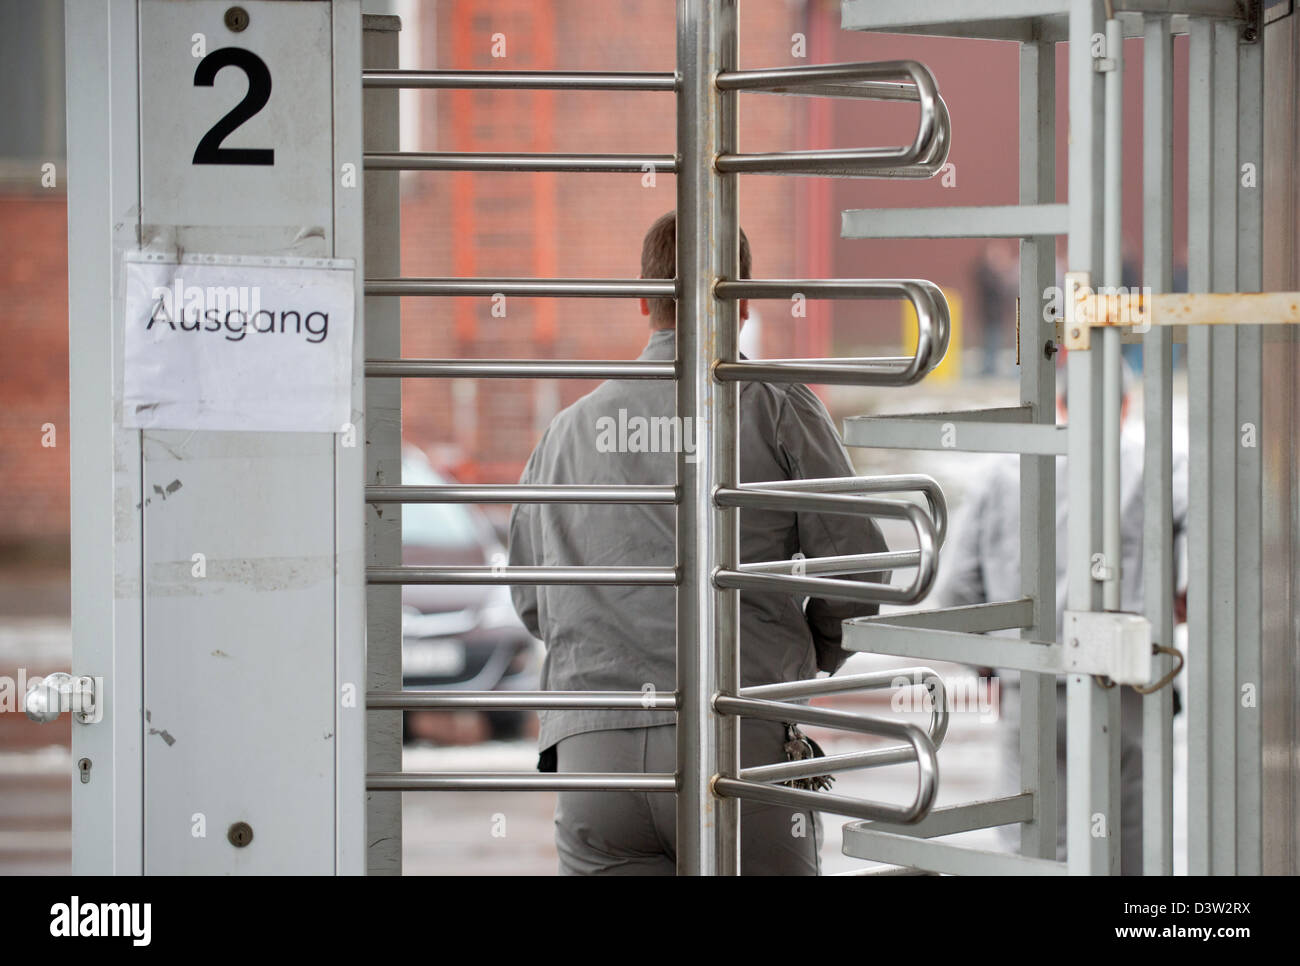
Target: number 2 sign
{"type": "Point", "coordinates": [210, 150]}
{"type": "Point", "coordinates": [236, 131]}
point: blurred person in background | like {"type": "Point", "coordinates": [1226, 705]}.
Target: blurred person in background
{"type": "Point", "coordinates": [980, 563]}
{"type": "Point", "coordinates": [997, 277]}
{"type": "Point", "coordinates": [603, 638]}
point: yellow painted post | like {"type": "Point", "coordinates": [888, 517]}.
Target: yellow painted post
{"type": "Point", "coordinates": [949, 370]}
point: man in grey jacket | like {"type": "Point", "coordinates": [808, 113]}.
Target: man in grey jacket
{"type": "Point", "coordinates": [624, 638]}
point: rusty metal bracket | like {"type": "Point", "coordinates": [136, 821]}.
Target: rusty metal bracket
{"type": "Point", "coordinates": [1139, 308]}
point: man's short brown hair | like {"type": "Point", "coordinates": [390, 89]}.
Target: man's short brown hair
{"type": "Point", "coordinates": [659, 260]}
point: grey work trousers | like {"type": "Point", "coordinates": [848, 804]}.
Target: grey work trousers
{"type": "Point", "coordinates": [635, 833]}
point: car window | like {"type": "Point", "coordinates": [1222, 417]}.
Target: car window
{"type": "Point", "coordinates": [437, 525]}
{"type": "Point", "coordinates": [434, 524]}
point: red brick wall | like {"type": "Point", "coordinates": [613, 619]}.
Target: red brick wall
{"type": "Point", "coordinates": [567, 225]}
{"type": "Point", "coordinates": [33, 372]}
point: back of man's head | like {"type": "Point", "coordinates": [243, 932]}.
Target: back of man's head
{"type": "Point", "coordinates": [659, 260]}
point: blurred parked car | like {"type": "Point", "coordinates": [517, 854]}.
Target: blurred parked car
{"type": "Point", "coordinates": [464, 638]}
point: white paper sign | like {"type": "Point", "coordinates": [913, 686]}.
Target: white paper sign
{"type": "Point", "coordinates": [238, 342]}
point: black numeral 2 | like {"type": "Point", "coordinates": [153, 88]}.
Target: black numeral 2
{"type": "Point", "coordinates": [210, 150]}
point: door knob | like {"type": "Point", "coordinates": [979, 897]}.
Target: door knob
{"type": "Point", "coordinates": [58, 692]}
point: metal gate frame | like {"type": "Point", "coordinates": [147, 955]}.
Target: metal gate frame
{"type": "Point", "coordinates": [708, 699]}
{"type": "Point", "coordinates": [1225, 104]}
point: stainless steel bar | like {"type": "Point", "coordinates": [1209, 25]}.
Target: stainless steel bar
{"type": "Point", "coordinates": [517, 369]}
{"type": "Point", "coordinates": [835, 503]}
{"type": "Point", "coordinates": [532, 80]}
{"type": "Point", "coordinates": [1038, 692]}
{"type": "Point", "coordinates": [737, 789]}
{"type": "Point", "coordinates": [829, 765]}
{"type": "Point", "coordinates": [595, 288]}
{"type": "Point", "coordinates": [516, 493]}
{"type": "Point", "coordinates": [468, 161]}
{"type": "Point", "coordinates": [855, 563]}
{"type": "Point", "coordinates": [913, 289]}
{"type": "Point", "coordinates": [1025, 220]}
{"type": "Point", "coordinates": [830, 372]}
{"type": "Point", "coordinates": [839, 684]}
{"type": "Point", "coordinates": [874, 80]}
{"type": "Point", "coordinates": [926, 761]}
{"type": "Point", "coordinates": [1093, 711]}
{"type": "Point", "coordinates": [382, 335]}
{"type": "Point", "coordinates": [931, 344]}
{"type": "Point", "coordinates": [925, 154]}
{"type": "Point", "coordinates": [936, 699]}
{"type": "Point", "coordinates": [531, 576]}
{"type": "Point", "coordinates": [1157, 482]}
{"type": "Point", "coordinates": [521, 700]}
{"type": "Point", "coordinates": [820, 502]}
{"type": "Point", "coordinates": [789, 712]}
{"type": "Point", "coordinates": [708, 743]}
{"type": "Point", "coordinates": [519, 782]}
{"type": "Point", "coordinates": [824, 587]}
{"type": "Point", "coordinates": [893, 483]}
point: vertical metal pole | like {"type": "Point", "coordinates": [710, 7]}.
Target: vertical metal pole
{"type": "Point", "coordinates": [383, 448]}
{"type": "Point", "coordinates": [1213, 603]}
{"type": "Point", "coordinates": [1250, 656]}
{"type": "Point", "coordinates": [1225, 458]}
{"type": "Point", "coordinates": [708, 827]}
{"type": "Point", "coordinates": [1092, 727]}
{"type": "Point", "coordinates": [351, 850]}
{"type": "Point", "coordinates": [1112, 277]}
{"type": "Point", "coordinates": [1157, 480]}
{"type": "Point", "coordinates": [102, 56]}
{"type": "Point", "coordinates": [1038, 473]}
{"type": "Point", "coordinates": [1200, 230]}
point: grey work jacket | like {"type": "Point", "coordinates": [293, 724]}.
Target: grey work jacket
{"type": "Point", "coordinates": [624, 638]}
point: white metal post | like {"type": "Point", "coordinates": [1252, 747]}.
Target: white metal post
{"type": "Point", "coordinates": [1092, 727]}
{"type": "Point", "coordinates": [1157, 358]}
{"type": "Point", "coordinates": [103, 189]}
{"type": "Point", "coordinates": [218, 571]}
{"type": "Point", "coordinates": [1200, 230]}
{"type": "Point", "coordinates": [1248, 688]}
{"type": "Point", "coordinates": [1038, 694]}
